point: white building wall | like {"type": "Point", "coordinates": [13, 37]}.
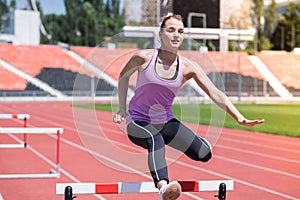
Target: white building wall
{"type": "Point", "coordinates": [27, 27]}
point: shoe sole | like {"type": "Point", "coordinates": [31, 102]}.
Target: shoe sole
{"type": "Point", "coordinates": [172, 192]}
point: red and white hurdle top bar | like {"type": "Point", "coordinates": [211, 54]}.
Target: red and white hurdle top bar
{"type": "Point", "coordinates": [139, 187]}
{"type": "Point", "coordinates": [24, 117]}
{"type": "Point", "coordinates": [14, 116]}
{"type": "Point", "coordinates": [14, 130]}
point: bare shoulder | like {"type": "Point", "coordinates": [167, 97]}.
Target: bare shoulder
{"type": "Point", "coordinates": [145, 55]}
{"type": "Point", "coordinates": [139, 58]}
{"type": "Point", "coordinates": [188, 65]}
{"type": "Point", "coordinates": [138, 61]}
{"type": "Point", "coordinates": [191, 68]}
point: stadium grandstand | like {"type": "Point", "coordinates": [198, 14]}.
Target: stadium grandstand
{"type": "Point", "coordinates": [50, 70]}
{"type": "Point", "coordinates": [62, 71]}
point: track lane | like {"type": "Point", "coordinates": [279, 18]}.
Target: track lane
{"type": "Point", "coordinates": [71, 137]}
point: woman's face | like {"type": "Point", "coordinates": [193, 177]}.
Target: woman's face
{"type": "Point", "coordinates": [172, 34]}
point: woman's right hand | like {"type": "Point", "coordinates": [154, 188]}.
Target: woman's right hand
{"type": "Point", "coordinates": [119, 117]}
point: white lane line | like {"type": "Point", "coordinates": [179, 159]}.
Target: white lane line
{"type": "Point", "coordinates": [259, 154]}
{"type": "Point", "coordinates": [73, 178]}
{"type": "Point", "coordinates": [224, 176]}
{"type": "Point", "coordinates": [259, 138]}
{"type": "Point", "coordinates": [226, 131]}
{"type": "Point", "coordinates": [238, 181]}
{"type": "Point", "coordinates": [262, 145]}
{"type": "Point", "coordinates": [223, 138]}
{"type": "Point", "coordinates": [97, 154]}
{"type": "Point", "coordinates": [257, 167]}
{"type": "Point", "coordinates": [199, 169]}
{"type": "Point", "coordinates": [104, 157]}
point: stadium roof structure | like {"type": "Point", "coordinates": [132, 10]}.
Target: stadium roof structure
{"type": "Point", "coordinates": [196, 33]}
{"type": "Point", "coordinates": [223, 35]}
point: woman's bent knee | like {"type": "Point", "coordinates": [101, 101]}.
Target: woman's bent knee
{"type": "Point", "coordinates": [207, 157]}
{"type": "Point", "coordinates": [200, 157]}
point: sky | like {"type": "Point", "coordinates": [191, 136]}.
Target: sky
{"type": "Point", "coordinates": [48, 6]}
{"type": "Point", "coordinates": [53, 6]}
{"type": "Point", "coordinates": [135, 9]}
{"type": "Point", "coordinates": [58, 7]}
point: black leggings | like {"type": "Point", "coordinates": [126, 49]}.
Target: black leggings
{"type": "Point", "coordinates": [173, 133]}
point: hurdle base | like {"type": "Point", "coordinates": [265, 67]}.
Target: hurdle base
{"type": "Point", "coordinates": [69, 193]}
{"type": "Point", "coordinates": [56, 172]}
{"type": "Point", "coordinates": [13, 146]}
{"type": "Point", "coordinates": [19, 176]}
{"type": "Point", "coordinates": [222, 192]}
{"type": "Point", "coordinates": [53, 174]}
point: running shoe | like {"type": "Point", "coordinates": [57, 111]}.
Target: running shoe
{"type": "Point", "coordinates": [207, 143]}
{"type": "Point", "coordinates": [170, 192]}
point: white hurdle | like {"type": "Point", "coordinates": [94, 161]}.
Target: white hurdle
{"type": "Point", "coordinates": [24, 117]}
{"type": "Point", "coordinates": [53, 173]}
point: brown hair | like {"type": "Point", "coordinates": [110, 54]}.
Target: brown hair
{"type": "Point", "coordinates": [167, 17]}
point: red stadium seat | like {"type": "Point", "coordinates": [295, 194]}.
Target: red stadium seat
{"type": "Point", "coordinates": [284, 65]}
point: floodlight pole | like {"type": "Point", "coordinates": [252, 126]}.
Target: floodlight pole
{"type": "Point", "coordinates": [158, 12]}
{"type": "Point", "coordinates": [190, 16]}
{"type": "Point", "coordinates": [239, 64]}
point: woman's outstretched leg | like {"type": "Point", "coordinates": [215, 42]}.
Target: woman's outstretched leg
{"type": "Point", "coordinates": [180, 137]}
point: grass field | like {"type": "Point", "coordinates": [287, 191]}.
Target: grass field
{"type": "Point", "coordinates": [281, 119]}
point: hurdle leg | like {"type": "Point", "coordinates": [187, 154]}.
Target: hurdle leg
{"type": "Point", "coordinates": [69, 193]}
{"type": "Point", "coordinates": [25, 135]}
{"type": "Point", "coordinates": [52, 171]}
{"type": "Point", "coordinates": [58, 153]}
{"type": "Point", "coordinates": [222, 192]}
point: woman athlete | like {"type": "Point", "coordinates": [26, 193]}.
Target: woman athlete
{"type": "Point", "coordinates": [150, 120]}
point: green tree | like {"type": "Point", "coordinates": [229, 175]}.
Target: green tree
{"type": "Point", "coordinates": [258, 21]}
{"type": "Point", "coordinates": [13, 4]}
{"type": "Point", "coordinates": [113, 18]}
{"type": "Point", "coordinates": [270, 20]}
{"type": "Point", "coordinates": [3, 10]}
{"type": "Point", "coordinates": [270, 16]}
{"type": "Point", "coordinates": [73, 10]}
{"type": "Point", "coordinates": [287, 33]}
{"type": "Point", "coordinates": [87, 22]}
{"type": "Point", "coordinates": [56, 26]}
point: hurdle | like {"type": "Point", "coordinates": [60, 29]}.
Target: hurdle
{"type": "Point", "coordinates": [68, 189]}
{"type": "Point", "coordinates": [53, 173]}
{"type": "Point", "coordinates": [24, 117]}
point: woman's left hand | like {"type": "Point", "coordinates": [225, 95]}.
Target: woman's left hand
{"type": "Point", "coordinates": [247, 122]}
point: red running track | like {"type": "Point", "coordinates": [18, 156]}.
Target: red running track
{"type": "Point", "coordinates": [263, 166]}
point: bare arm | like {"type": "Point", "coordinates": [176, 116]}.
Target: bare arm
{"type": "Point", "coordinates": [135, 62]}
{"type": "Point", "coordinates": [193, 70]}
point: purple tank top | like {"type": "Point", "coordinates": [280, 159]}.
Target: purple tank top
{"type": "Point", "coordinates": [154, 95]}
